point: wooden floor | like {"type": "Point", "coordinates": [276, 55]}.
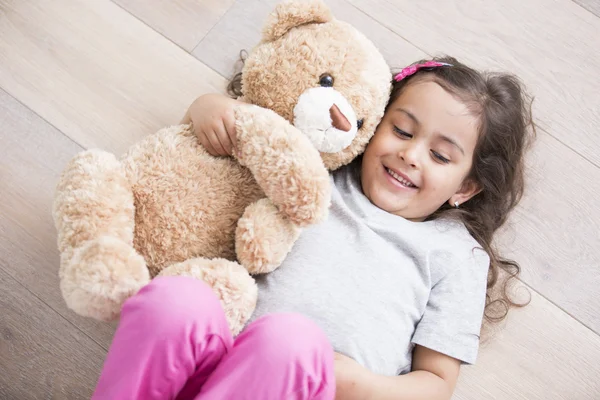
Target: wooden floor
{"type": "Point", "coordinates": [76, 74]}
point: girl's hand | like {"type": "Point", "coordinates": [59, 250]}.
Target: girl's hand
{"type": "Point", "coordinates": [214, 123]}
{"type": "Point", "coordinates": [352, 381]}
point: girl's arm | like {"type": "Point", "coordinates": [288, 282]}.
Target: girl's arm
{"type": "Point", "coordinates": [433, 377]}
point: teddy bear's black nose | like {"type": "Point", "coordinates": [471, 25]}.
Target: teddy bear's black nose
{"type": "Point", "coordinates": [326, 80]}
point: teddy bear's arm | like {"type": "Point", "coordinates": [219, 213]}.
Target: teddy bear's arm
{"type": "Point", "coordinates": [263, 238]}
{"type": "Point", "coordinates": [284, 163]}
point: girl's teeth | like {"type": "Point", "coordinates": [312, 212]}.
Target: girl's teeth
{"type": "Point", "coordinates": [399, 178]}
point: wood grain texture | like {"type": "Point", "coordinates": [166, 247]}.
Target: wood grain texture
{"type": "Point", "coordinates": [32, 156]}
{"type": "Point", "coordinates": [106, 79]}
{"type": "Point", "coordinates": [554, 232]}
{"type": "Point", "coordinates": [240, 29]}
{"type": "Point", "coordinates": [552, 45]}
{"type": "Point", "coordinates": [185, 22]}
{"type": "Point", "coordinates": [42, 356]}
{"type": "Point", "coordinates": [592, 6]}
{"type": "Point", "coordinates": [95, 72]}
{"type": "Point", "coordinates": [540, 353]}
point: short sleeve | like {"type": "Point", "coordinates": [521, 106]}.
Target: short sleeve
{"type": "Point", "coordinates": [451, 323]}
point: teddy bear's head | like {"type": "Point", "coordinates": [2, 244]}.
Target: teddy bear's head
{"type": "Point", "coordinates": [322, 75]}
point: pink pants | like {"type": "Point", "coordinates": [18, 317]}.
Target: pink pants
{"type": "Point", "coordinates": [173, 342]}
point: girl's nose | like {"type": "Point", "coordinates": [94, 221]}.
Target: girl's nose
{"type": "Point", "coordinates": [409, 155]}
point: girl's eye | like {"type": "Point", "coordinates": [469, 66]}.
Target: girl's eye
{"type": "Point", "coordinates": [440, 157]}
{"type": "Point", "coordinates": [402, 133]}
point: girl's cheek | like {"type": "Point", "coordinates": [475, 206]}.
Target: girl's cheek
{"type": "Point", "coordinates": [389, 146]}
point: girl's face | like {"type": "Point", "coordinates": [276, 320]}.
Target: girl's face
{"type": "Point", "coordinates": [421, 153]}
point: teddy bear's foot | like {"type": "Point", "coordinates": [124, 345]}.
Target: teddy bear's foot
{"type": "Point", "coordinates": [231, 282]}
{"type": "Point", "coordinates": [264, 237]}
{"type": "Point", "coordinates": [93, 198]}
{"type": "Point", "coordinates": [100, 275]}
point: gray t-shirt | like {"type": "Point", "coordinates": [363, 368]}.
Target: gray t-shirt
{"type": "Point", "coordinates": [377, 283]}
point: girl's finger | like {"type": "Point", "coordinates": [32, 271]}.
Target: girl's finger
{"type": "Point", "coordinates": [216, 143]}
{"type": "Point", "coordinates": [224, 139]}
{"type": "Point", "coordinates": [206, 143]}
{"type": "Point", "coordinates": [231, 131]}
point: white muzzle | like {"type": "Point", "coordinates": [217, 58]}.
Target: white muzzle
{"type": "Point", "coordinates": [326, 117]}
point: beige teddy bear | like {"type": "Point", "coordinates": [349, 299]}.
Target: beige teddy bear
{"type": "Point", "coordinates": [316, 89]}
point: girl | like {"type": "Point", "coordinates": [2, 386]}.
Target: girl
{"type": "Point", "coordinates": [402, 299]}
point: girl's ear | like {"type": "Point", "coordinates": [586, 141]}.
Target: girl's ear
{"type": "Point", "coordinates": [292, 13]}
{"type": "Point", "coordinates": [468, 189]}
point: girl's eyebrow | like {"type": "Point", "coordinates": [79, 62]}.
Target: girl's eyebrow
{"type": "Point", "coordinates": [452, 142]}
{"type": "Point", "coordinates": [441, 135]}
{"type": "Point", "coordinates": [409, 114]}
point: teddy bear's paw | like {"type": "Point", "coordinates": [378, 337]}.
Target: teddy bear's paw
{"type": "Point", "coordinates": [284, 163]}
{"type": "Point", "coordinates": [234, 287]}
{"type": "Point", "coordinates": [264, 237]}
{"type": "Point", "coordinates": [100, 275]}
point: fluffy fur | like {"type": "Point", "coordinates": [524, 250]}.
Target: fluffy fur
{"type": "Point", "coordinates": [167, 207]}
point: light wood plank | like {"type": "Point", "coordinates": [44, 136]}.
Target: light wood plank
{"type": "Point", "coordinates": [552, 45]}
{"type": "Point", "coordinates": [32, 156]}
{"type": "Point", "coordinates": [42, 356]}
{"type": "Point", "coordinates": [592, 6]}
{"type": "Point", "coordinates": [554, 233]}
{"type": "Point", "coordinates": [240, 29]}
{"type": "Point", "coordinates": [96, 72]}
{"type": "Point", "coordinates": [185, 22]}
{"type": "Point", "coordinates": [539, 354]}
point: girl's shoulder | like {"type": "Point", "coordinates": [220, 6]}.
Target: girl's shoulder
{"type": "Point", "coordinates": [452, 248]}
{"type": "Point", "coordinates": [450, 234]}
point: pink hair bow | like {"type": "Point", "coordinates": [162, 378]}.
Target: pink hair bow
{"type": "Point", "coordinates": [411, 69]}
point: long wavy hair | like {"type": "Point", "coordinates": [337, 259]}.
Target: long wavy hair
{"type": "Point", "coordinates": [506, 130]}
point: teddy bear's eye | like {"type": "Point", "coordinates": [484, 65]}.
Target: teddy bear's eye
{"type": "Point", "coordinates": [359, 123]}
{"type": "Point", "coordinates": [326, 80]}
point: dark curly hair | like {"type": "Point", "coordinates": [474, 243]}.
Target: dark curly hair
{"type": "Point", "coordinates": [506, 130]}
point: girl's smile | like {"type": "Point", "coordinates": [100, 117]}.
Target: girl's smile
{"type": "Point", "coordinates": [422, 152]}
{"type": "Point", "coordinates": [399, 180]}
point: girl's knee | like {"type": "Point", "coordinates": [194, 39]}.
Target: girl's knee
{"type": "Point", "coordinates": [169, 302]}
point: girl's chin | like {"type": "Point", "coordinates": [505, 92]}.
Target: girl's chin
{"type": "Point", "coordinates": [391, 205]}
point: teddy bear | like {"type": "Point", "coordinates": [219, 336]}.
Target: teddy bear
{"type": "Point", "coordinates": [314, 90]}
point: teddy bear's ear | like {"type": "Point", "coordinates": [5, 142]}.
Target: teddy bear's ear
{"type": "Point", "coordinates": [292, 13]}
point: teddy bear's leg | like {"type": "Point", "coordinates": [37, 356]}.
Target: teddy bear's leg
{"type": "Point", "coordinates": [264, 236]}
{"type": "Point", "coordinates": [94, 216]}
{"type": "Point", "coordinates": [231, 282]}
